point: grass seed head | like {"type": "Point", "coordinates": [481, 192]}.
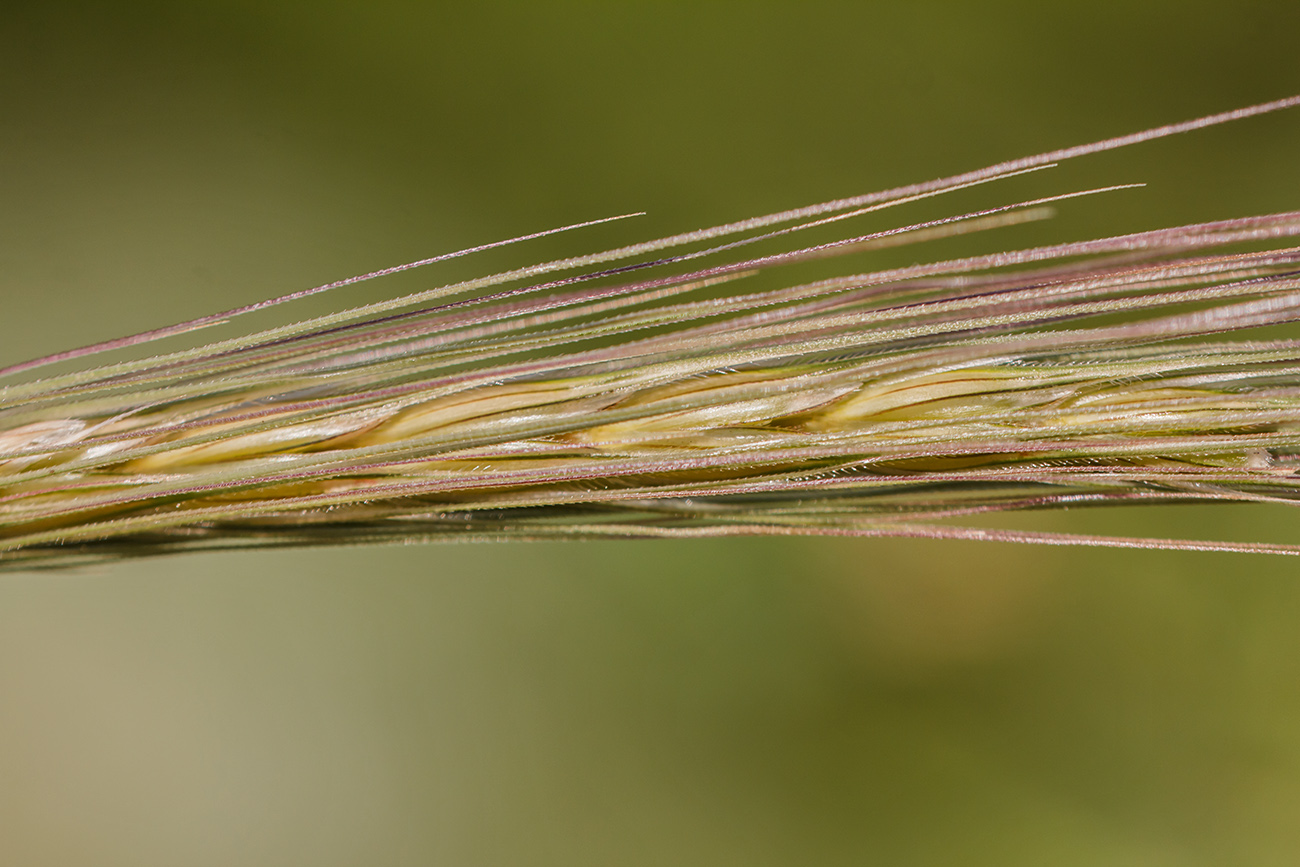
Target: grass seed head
{"type": "Point", "coordinates": [637, 392]}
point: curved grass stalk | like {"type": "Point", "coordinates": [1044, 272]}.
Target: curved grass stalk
{"type": "Point", "coordinates": [636, 393]}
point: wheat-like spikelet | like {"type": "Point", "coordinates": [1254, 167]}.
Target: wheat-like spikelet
{"type": "Point", "coordinates": [625, 394]}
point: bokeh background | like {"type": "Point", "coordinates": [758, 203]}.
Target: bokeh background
{"type": "Point", "coordinates": [724, 702]}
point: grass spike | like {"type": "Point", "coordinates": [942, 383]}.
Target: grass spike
{"type": "Point", "coordinates": [635, 393]}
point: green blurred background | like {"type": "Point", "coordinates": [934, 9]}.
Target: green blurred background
{"type": "Point", "coordinates": [725, 702]}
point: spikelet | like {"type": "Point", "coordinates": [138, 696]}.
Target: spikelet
{"type": "Point", "coordinates": [638, 393]}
